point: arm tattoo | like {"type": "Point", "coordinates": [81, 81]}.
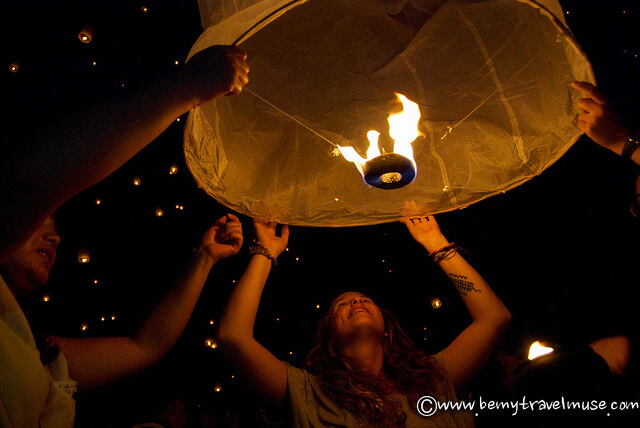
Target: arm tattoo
{"type": "Point", "coordinates": [462, 285]}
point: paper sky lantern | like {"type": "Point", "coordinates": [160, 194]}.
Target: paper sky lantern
{"type": "Point", "coordinates": [491, 81]}
{"type": "Point", "coordinates": [537, 350]}
{"type": "Point", "coordinates": [86, 34]}
{"type": "Point", "coordinates": [83, 255]}
{"type": "Point", "coordinates": [436, 303]}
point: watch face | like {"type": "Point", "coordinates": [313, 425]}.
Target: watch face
{"type": "Point", "coordinates": [629, 147]}
{"type": "Point", "coordinates": [635, 206]}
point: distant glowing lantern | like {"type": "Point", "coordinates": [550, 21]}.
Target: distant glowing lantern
{"type": "Point", "coordinates": [491, 96]}
{"type": "Point", "coordinates": [159, 212]}
{"type": "Point", "coordinates": [14, 67]}
{"type": "Point", "coordinates": [174, 169]}
{"type": "Point", "coordinates": [98, 201]}
{"type": "Point", "coordinates": [218, 387]}
{"type": "Point", "coordinates": [435, 302]}
{"type": "Point", "coordinates": [210, 343]}
{"type": "Point", "coordinates": [537, 350]}
{"type": "Point", "coordinates": [84, 327]}
{"type": "Point", "coordinates": [113, 317]}
{"type": "Point", "coordinates": [144, 9]}
{"type": "Point", "coordinates": [45, 298]}
{"type": "Point", "coordinates": [102, 318]}
{"type": "Point", "coordinates": [136, 181]}
{"type": "Point", "coordinates": [211, 322]}
{"type": "Point", "coordinates": [83, 255]}
{"type": "Point", "coordinates": [86, 35]}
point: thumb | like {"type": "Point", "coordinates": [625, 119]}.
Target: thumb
{"type": "Point", "coordinates": [407, 222]}
{"type": "Point", "coordinates": [590, 91]}
{"type": "Point", "coordinates": [284, 233]}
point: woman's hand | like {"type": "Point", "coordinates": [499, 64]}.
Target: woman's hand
{"type": "Point", "coordinates": [224, 238]}
{"type": "Point", "coordinates": [266, 236]}
{"type": "Point", "coordinates": [426, 232]}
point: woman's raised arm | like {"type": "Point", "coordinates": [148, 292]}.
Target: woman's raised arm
{"type": "Point", "coordinates": [259, 369]}
{"type": "Point", "coordinates": [470, 351]}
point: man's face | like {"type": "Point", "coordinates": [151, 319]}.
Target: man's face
{"type": "Point", "coordinates": [28, 267]}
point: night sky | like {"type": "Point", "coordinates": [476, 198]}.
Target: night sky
{"type": "Point", "coordinates": [560, 250]}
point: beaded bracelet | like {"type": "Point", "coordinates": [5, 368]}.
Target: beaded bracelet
{"type": "Point", "coordinates": [258, 248]}
{"type": "Point", "coordinates": [446, 252]}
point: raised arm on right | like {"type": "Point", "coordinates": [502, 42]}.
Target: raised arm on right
{"type": "Point", "coordinates": [76, 153]}
{"type": "Point", "coordinates": [261, 371]}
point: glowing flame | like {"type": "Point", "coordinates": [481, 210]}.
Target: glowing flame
{"type": "Point", "coordinates": [537, 350]}
{"type": "Point", "coordinates": [403, 129]}
{"type": "Point", "coordinates": [373, 150]}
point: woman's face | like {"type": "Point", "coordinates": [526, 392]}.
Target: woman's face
{"type": "Point", "coordinates": [354, 315]}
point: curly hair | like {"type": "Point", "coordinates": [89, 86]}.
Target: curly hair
{"type": "Point", "coordinates": [409, 372]}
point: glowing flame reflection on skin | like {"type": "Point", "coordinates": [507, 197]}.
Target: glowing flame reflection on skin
{"type": "Point", "coordinates": [537, 350]}
{"type": "Point", "coordinates": [403, 128]}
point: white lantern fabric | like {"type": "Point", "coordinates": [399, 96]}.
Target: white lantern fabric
{"type": "Point", "coordinates": [492, 79]}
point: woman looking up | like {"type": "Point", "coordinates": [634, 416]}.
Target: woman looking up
{"type": "Point", "coordinates": [363, 370]}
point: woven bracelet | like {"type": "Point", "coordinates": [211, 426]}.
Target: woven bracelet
{"type": "Point", "coordinates": [258, 248]}
{"type": "Point", "coordinates": [446, 252]}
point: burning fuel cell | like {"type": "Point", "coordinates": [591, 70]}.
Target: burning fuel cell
{"type": "Point", "coordinates": [396, 169]}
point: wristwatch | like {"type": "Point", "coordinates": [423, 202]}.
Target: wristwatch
{"type": "Point", "coordinates": [630, 146]}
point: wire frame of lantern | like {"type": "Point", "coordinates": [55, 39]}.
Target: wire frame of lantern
{"type": "Point", "coordinates": [491, 80]}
